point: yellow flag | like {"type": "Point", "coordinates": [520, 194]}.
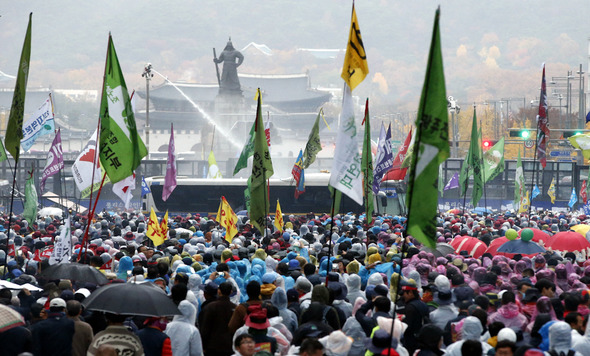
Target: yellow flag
{"type": "Point", "coordinates": [279, 218]}
{"type": "Point", "coordinates": [355, 67]}
{"type": "Point", "coordinates": [227, 219]}
{"type": "Point", "coordinates": [524, 203]}
{"type": "Point", "coordinates": [153, 230]}
{"type": "Point", "coordinates": [164, 226]}
{"type": "Point", "coordinates": [551, 191]}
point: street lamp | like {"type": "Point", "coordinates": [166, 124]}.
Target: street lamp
{"type": "Point", "coordinates": [147, 74]}
{"type": "Point", "coordinates": [454, 108]}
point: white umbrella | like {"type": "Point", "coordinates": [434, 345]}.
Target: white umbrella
{"type": "Point", "coordinates": [50, 211]}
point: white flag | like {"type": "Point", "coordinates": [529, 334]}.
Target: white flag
{"type": "Point", "coordinates": [82, 168]}
{"type": "Point", "coordinates": [40, 123]}
{"type": "Point", "coordinates": [124, 188]}
{"type": "Point", "coordinates": [62, 252]}
{"type": "Point", "coordinates": [346, 167]}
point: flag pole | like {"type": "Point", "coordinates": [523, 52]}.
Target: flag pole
{"type": "Point", "coordinates": [91, 215]}
{"type": "Point", "coordinates": [334, 191]}
{"type": "Point", "coordinates": [483, 176]}
{"type": "Point", "coordinates": [10, 217]}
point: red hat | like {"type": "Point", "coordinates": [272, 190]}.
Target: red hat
{"type": "Point", "coordinates": [258, 320]}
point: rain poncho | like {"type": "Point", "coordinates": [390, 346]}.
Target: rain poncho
{"type": "Point", "coordinates": [471, 330]}
{"type": "Point", "coordinates": [353, 283]}
{"type": "Point", "coordinates": [279, 300]}
{"type": "Point", "coordinates": [185, 338]}
{"type": "Point", "coordinates": [560, 338]}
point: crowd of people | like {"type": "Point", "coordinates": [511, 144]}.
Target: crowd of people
{"type": "Point", "coordinates": [320, 286]}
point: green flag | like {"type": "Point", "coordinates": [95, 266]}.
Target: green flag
{"type": "Point", "coordinates": [14, 130]}
{"type": "Point", "coordinates": [30, 209]}
{"type": "Point", "coordinates": [247, 196]}
{"type": "Point", "coordinates": [519, 186]}
{"type": "Point", "coordinates": [313, 145]}
{"type": "Point", "coordinates": [247, 151]}
{"type": "Point", "coordinates": [3, 155]}
{"type": "Point", "coordinates": [261, 171]}
{"type": "Point", "coordinates": [431, 147]}
{"type": "Point", "coordinates": [121, 148]}
{"type": "Point", "coordinates": [493, 161]}
{"type": "Point", "coordinates": [367, 166]}
{"type": "Point", "coordinates": [472, 165]}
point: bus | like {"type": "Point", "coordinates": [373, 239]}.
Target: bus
{"type": "Point", "coordinates": [200, 195]}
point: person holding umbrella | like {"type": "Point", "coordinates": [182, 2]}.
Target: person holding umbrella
{"type": "Point", "coordinates": [118, 336]}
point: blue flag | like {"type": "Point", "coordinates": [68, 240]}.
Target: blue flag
{"type": "Point", "coordinates": [144, 187]}
{"type": "Point", "coordinates": [588, 117]}
{"type": "Point", "coordinates": [573, 198]}
{"type": "Point", "coordinates": [453, 182]}
{"type": "Point", "coordinates": [536, 192]}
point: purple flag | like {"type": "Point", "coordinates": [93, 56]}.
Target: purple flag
{"type": "Point", "coordinates": [384, 157]}
{"type": "Point", "coordinates": [453, 182]}
{"type": "Point", "coordinates": [170, 179]}
{"type": "Point", "coordinates": [55, 160]}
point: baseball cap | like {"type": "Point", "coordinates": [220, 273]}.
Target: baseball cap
{"type": "Point", "coordinates": [57, 303]}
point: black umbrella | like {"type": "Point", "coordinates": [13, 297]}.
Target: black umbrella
{"type": "Point", "coordinates": [75, 272]}
{"type": "Point", "coordinates": [442, 249]}
{"type": "Point", "coordinates": [144, 299]}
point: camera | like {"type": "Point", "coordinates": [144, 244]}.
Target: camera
{"type": "Point", "coordinates": [334, 266]}
{"type": "Point", "coordinates": [220, 274]}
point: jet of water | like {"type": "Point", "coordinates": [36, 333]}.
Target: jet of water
{"type": "Point", "coordinates": [205, 115]}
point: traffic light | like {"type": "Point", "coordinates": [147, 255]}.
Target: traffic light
{"type": "Point", "coordinates": [487, 144]}
{"type": "Point", "coordinates": [570, 133]}
{"type": "Point", "coordinates": [525, 134]}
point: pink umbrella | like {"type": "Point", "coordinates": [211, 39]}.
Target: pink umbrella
{"type": "Point", "coordinates": [568, 241]}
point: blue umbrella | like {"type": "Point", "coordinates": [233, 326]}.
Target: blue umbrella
{"type": "Point", "coordinates": [522, 247]}
{"type": "Point", "coordinates": [481, 211]}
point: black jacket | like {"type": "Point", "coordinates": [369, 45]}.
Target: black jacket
{"type": "Point", "coordinates": [53, 336]}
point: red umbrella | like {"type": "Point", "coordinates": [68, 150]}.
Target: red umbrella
{"type": "Point", "coordinates": [568, 241]}
{"type": "Point", "coordinates": [473, 246]}
{"type": "Point", "coordinates": [493, 248]}
{"type": "Point", "coordinates": [538, 236]}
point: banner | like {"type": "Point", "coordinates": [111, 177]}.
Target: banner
{"type": "Point", "coordinates": [121, 148]}
{"type": "Point", "coordinates": [262, 170]}
{"type": "Point", "coordinates": [583, 193]}
{"type": "Point", "coordinates": [453, 182]}
{"type": "Point", "coordinates": [573, 198]}
{"type": "Point", "coordinates": [41, 123]}
{"type": "Point", "coordinates": [384, 160]}
{"type": "Point", "coordinates": [345, 175]}
{"type": "Point", "coordinates": [493, 161]}
{"type": "Point", "coordinates": [279, 223]}
{"type": "Point", "coordinates": [313, 145]}
{"type": "Point", "coordinates": [214, 172]}
{"type": "Point", "coordinates": [355, 67]}
{"type": "Point", "coordinates": [14, 130]}
{"type": "Point", "coordinates": [367, 165]}
{"type": "Point", "coordinates": [431, 148]}
{"type": "Point", "coordinates": [55, 160]}
{"type": "Point", "coordinates": [30, 209]}
{"type": "Point", "coordinates": [170, 178]}
{"type": "Point", "coordinates": [551, 191]}
{"type": "Point", "coordinates": [123, 189]}
{"type": "Point", "coordinates": [398, 171]}
{"type": "Point", "coordinates": [298, 175]}
{"type": "Point", "coordinates": [62, 252]}
{"type": "Point", "coordinates": [227, 219]}
{"type": "Point", "coordinates": [153, 229]}
{"type": "Point", "coordinates": [144, 188]}
{"type": "Point", "coordinates": [542, 123]}
{"type": "Point", "coordinates": [83, 167]}
{"type": "Point", "coordinates": [519, 184]}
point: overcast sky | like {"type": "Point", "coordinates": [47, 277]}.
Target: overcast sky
{"type": "Point", "coordinates": [486, 45]}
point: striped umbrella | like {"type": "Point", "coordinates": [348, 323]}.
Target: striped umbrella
{"type": "Point", "coordinates": [10, 318]}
